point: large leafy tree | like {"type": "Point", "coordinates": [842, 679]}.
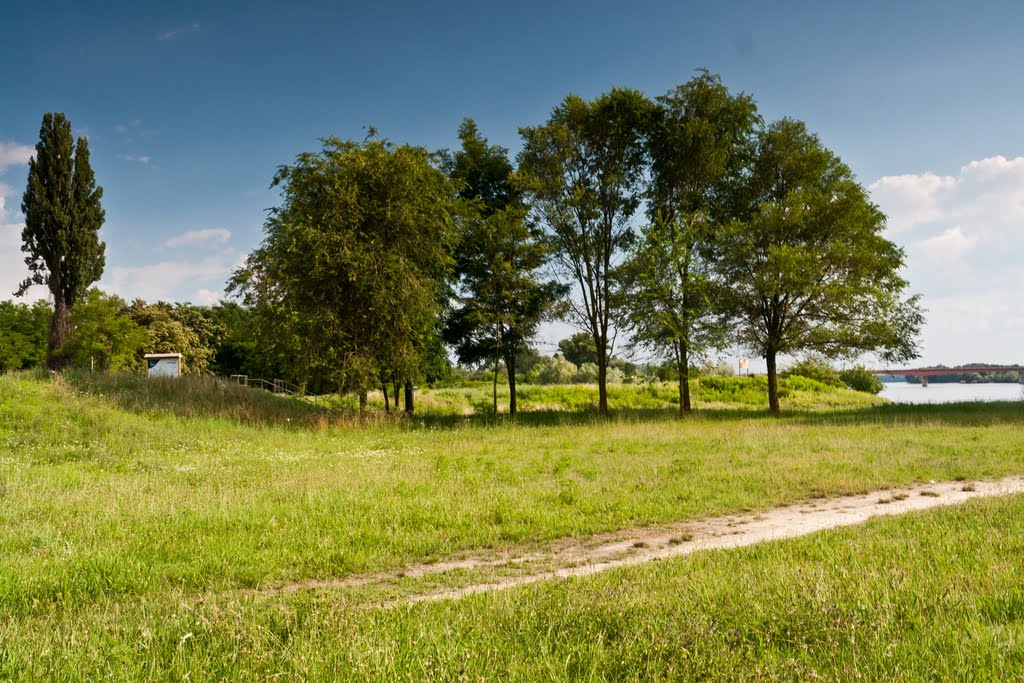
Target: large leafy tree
{"type": "Point", "coordinates": [103, 336]}
{"type": "Point", "coordinates": [501, 298]}
{"type": "Point", "coordinates": [583, 172]}
{"type": "Point", "coordinates": [578, 349]}
{"type": "Point", "coordinates": [23, 335]}
{"type": "Point", "coordinates": [63, 216]}
{"type": "Point", "coordinates": [176, 328]}
{"type": "Point", "coordinates": [350, 274]}
{"type": "Point", "coordinates": [809, 267]}
{"type": "Point", "coordinates": [698, 140]}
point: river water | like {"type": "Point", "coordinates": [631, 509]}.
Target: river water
{"type": "Point", "coordinates": [904, 392]}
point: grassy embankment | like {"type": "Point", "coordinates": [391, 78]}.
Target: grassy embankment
{"type": "Point", "coordinates": [128, 533]}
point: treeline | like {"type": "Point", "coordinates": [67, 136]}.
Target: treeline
{"type": "Point", "coordinates": [684, 223]}
{"type": "Point", "coordinates": [954, 377]}
{"type": "Point", "coordinates": [108, 333]}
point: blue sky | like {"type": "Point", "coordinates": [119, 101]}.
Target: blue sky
{"type": "Point", "coordinates": [190, 107]}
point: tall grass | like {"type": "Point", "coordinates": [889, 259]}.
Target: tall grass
{"type": "Point", "coordinates": [932, 596]}
{"type": "Point", "coordinates": [125, 507]}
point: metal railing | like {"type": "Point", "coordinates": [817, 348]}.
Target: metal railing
{"type": "Point", "coordinates": [275, 386]}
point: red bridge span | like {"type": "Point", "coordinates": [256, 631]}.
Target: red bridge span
{"type": "Point", "coordinates": [925, 373]}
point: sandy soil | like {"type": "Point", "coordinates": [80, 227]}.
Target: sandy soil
{"type": "Point", "coordinates": [571, 557]}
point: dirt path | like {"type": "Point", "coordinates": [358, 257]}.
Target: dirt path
{"type": "Point", "coordinates": [583, 557]}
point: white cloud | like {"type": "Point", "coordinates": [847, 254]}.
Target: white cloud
{"type": "Point", "coordinates": [13, 154]}
{"type": "Point", "coordinates": [208, 237]}
{"type": "Point", "coordinates": [12, 265]}
{"type": "Point", "coordinates": [910, 200]}
{"type": "Point", "coordinates": [949, 247]}
{"type": "Point", "coordinates": [167, 279]}
{"type": "Point", "coordinates": [963, 235]}
{"type": "Point", "coordinates": [143, 159]}
{"type": "Point", "coordinates": [173, 33]}
{"type": "Point", "coordinates": [206, 297]}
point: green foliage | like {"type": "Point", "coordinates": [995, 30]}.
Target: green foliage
{"type": "Point", "coordinates": [105, 335]}
{"type": "Point", "coordinates": [860, 379]}
{"type": "Point", "coordinates": [176, 328]}
{"type": "Point", "coordinates": [23, 335]}
{"type": "Point", "coordinates": [579, 349]}
{"type": "Point", "coordinates": [587, 374]}
{"type": "Point", "coordinates": [814, 368]}
{"type": "Point", "coordinates": [808, 265]}
{"type": "Point", "coordinates": [583, 172]}
{"type": "Point", "coordinates": [348, 280]}
{"type": "Point", "coordinates": [501, 298]}
{"type": "Point", "coordinates": [63, 217]}
{"type": "Point", "coordinates": [555, 370]}
{"type": "Point", "coordinates": [698, 140]}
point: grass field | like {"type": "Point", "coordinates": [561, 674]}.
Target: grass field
{"type": "Point", "coordinates": [134, 539]}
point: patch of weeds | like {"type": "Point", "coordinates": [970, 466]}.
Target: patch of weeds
{"type": "Point", "coordinates": [931, 494]}
{"type": "Point", "coordinates": [967, 488]}
{"type": "Point", "coordinates": [641, 544]}
{"type": "Point", "coordinates": [681, 538]}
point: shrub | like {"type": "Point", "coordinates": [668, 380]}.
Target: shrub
{"type": "Point", "coordinates": [859, 379]}
{"type": "Point", "coordinates": [587, 374]}
{"type": "Point", "coordinates": [816, 369]}
{"type": "Point", "coordinates": [555, 370]}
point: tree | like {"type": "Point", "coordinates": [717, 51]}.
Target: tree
{"type": "Point", "coordinates": [698, 140]}
{"type": "Point", "coordinates": [23, 333]}
{"type": "Point", "coordinates": [176, 328]}
{"type": "Point", "coordinates": [578, 349]}
{"type": "Point", "coordinates": [501, 298]}
{"type": "Point", "coordinates": [583, 172]}
{"type": "Point", "coordinates": [104, 336]}
{"type": "Point", "coordinates": [355, 262]}
{"type": "Point", "coordinates": [809, 267]}
{"type": "Point", "coordinates": [63, 216]}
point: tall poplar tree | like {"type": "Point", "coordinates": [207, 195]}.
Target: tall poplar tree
{"type": "Point", "coordinates": [63, 216]}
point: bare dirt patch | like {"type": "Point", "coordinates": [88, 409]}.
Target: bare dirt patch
{"type": "Point", "coordinates": [571, 557]}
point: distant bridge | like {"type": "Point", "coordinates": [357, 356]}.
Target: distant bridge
{"type": "Point", "coordinates": [925, 373]}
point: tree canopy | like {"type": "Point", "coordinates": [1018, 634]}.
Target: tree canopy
{"type": "Point", "coordinates": [349, 279]}
{"type": "Point", "coordinates": [501, 299]}
{"type": "Point", "coordinates": [583, 171]}
{"type": "Point", "coordinates": [808, 267]}
{"type": "Point", "coordinates": [697, 141]}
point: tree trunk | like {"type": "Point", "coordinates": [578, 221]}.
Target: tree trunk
{"type": "Point", "coordinates": [395, 386]}
{"type": "Point", "coordinates": [384, 389]}
{"type": "Point", "coordinates": [773, 383]}
{"type": "Point", "coordinates": [362, 402]}
{"type": "Point", "coordinates": [510, 363]}
{"type": "Point", "coordinates": [60, 329]}
{"type": "Point", "coordinates": [494, 385]}
{"type": "Point", "coordinates": [602, 383]}
{"type": "Point", "coordinates": [684, 380]}
{"type": "Point", "coordinates": [408, 396]}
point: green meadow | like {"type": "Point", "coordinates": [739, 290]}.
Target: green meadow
{"type": "Point", "coordinates": [157, 530]}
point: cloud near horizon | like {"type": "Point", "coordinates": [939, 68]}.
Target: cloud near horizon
{"type": "Point", "coordinates": [172, 280]}
{"type": "Point", "coordinates": [14, 154]}
{"type": "Point", "coordinates": [963, 237]}
{"type": "Point", "coordinates": [207, 237]}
